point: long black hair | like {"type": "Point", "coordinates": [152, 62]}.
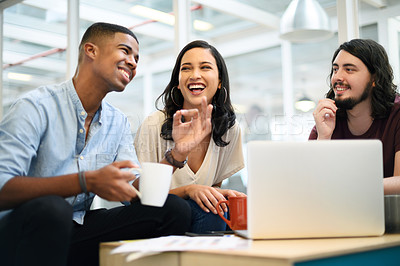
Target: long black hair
{"type": "Point", "coordinates": [374, 56]}
{"type": "Point", "coordinates": [223, 116]}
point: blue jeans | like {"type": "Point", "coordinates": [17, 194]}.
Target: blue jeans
{"type": "Point", "coordinates": [203, 222]}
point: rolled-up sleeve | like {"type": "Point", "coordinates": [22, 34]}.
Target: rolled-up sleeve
{"type": "Point", "coordinates": [20, 133]}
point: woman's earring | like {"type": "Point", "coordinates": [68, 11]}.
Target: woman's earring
{"type": "Point", "coordinates": [226, 94]}
{"type": "Point", "coordinates": [172, 96]}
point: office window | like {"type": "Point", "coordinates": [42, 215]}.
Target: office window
{"type": "Point", "coordinates": [34, 45]}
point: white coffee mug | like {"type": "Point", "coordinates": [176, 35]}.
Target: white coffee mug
{"type": "Point", "coordinates": [154, 183]}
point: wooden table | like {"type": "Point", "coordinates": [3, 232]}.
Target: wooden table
{"type": "Point", "coordinates": [384, 250]}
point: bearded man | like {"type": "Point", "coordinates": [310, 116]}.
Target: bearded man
{"type": "Point", "coordinates": [362, 103]}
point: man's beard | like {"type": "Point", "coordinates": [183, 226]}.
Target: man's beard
{"type": "Point", "coordinates": [349, 103]}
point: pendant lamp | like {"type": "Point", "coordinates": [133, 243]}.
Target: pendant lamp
{"type": "Point", "coordinates": [304, 104]}
{"type": "Point", "coordinates": [305, 21]}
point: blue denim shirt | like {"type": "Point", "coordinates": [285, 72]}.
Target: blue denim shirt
{"type": "Point", "coordinates": [43, 135]}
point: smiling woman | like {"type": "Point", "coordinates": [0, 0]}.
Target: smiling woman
{"type": "Point", "coordinates": [198, 77]}
{"type": "Point", "coordinates": [200, 73]}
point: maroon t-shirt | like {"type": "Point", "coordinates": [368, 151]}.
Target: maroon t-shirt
{"type": "Point", "coordinates": [387, 130]}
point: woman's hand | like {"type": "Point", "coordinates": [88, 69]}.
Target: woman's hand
{"type": "Point", "coordinates": [187, 135]}
{"type": "Point", "coordinates": [206, 197]}
{"type": "Point", "coordinates": [230, 193]}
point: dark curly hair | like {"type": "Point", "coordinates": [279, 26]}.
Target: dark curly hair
{"type": "Point", "coordinates": [374, 56]}
{"type": "Point", "coordinates": [223, 116]}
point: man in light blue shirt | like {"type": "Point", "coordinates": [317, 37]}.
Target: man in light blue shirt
{"type": "Point", "coordinates": [62, 144]}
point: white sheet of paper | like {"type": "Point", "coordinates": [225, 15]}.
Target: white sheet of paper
{"type": "Point", "coordinates": [181, 243]}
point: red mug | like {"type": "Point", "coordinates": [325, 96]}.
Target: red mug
{"type": "Point", "coordinates": [237, 212]}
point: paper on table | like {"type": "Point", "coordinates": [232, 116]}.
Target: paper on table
{"type": "Point", "coordinates": [180, 243]}
{"type": "Point", "coordinates": [137, 255]}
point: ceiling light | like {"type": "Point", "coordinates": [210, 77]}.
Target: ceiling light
{"type": "Point", "coordinates": [304, 104]}
{"type": "Point", "coordinates": [305, 21]}
{"type": "Point", "coordinates": [166, 18]}
{"type": "Point", "coordinates": [153, 14]}
{"type": "Point", "coordinates": [202, 25]}
{"type": "Point", "coordinates": [19, 76]}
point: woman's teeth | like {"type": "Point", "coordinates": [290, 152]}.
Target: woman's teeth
{"type": "Point", "coordinates": [196, 87]}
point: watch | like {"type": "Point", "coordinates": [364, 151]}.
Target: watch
{"type": "Point", "coordinates": [170, 159]}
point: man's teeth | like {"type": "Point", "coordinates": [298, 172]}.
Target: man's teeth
{"type": "Point", "coordinates": [125, 73]}
{"type": "Point", "coordinates": [341, 88]}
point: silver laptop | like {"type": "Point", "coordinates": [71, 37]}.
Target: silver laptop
{"type": "Point", "coordinates": [314, 189]}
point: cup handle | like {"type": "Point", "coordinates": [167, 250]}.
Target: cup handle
{"type": "Point", "coordinates": [140, 171]}
{"type": "Point", "coordinates": [228, 222]}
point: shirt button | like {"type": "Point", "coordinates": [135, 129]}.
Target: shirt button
{"type": "Point", "coordinates": [81, 157]}
{"type": "Point", "coordinates": [81, 130]}
{"type": "Point", "coordinates": [83, 113]}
